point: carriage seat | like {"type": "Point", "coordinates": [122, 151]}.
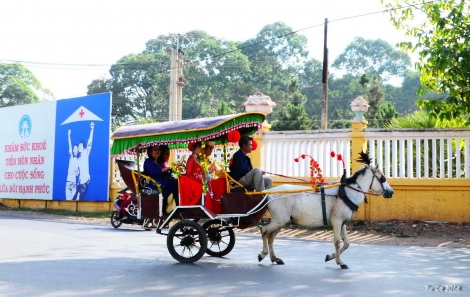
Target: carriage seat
{"type": "Point", "coordinates": [235, 186]}
{"type": "Point", "coordinates": [146, 183]}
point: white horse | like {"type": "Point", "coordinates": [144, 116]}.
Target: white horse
{"type": "Point", "coordinates": [305, 208]}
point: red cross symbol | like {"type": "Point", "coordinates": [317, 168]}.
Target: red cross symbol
{"type": "Point", "coordinates": [81, 113]}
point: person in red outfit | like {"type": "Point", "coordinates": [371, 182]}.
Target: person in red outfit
{"type": "Point", "coordinates": [217, 184]}
{"type": "Point", "coordinates": [195, 171]}
{"type": "Point", "coordinates": [193, 167]}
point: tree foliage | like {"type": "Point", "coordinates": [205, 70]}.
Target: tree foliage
{"type": "Point", "coordinates": [276, 55]}
{"type": "Point", "coordinates": [441, 31]}
{"type": "Point", "coordinates": [221, 74]}
{"type": "Point", "coordinates": [214, 69]}
{"type": "Point", "coordinates": [17, 85]}
{"type": "Point", "coordinates": [422, 119]}
{"type": "Point", "coordinates": [364, 56]}
{"type": "Point", "coordinates": [380, 111]}
{"type": "Point", "coordinates": [292, 114]}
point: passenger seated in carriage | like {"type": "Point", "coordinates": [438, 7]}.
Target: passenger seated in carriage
{"type": "Point", "coordinates": [242, 171]}
{"type": "Point", "coordinates": [215, 168]}
{"type": "Point", "coordinates": [193, 166]}
{"type": "Point", "coordinates": [204, 174]}
{"type": "Point", "coordinates": [164, 156]}
{"type": "Point", "coordinates": [163, 162]}
{"type": "Point", "coordinates": [157, 171]}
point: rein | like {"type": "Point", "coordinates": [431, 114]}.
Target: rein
{"type": "Point", "coordinates": [345, 198]}
{"type": "Point", "coordinates": [360, 190]}
{"type": "Point", "coordinates": [290, 177]}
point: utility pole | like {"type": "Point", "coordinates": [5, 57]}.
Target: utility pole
{"type": "Point", "coordinates": [324, 106]}
{"type": "Point", "coordinates": [177, 81]}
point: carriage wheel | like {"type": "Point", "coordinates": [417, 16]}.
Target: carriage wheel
{"type": "Point", "coordinates": [220, 238]}
{"type": "Point", "coordinates": [187, 241]}
{"type": "Point", "coordinates": [115, 221]}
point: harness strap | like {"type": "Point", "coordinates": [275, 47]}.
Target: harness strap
{"type": "Point", "coordinates": [345, 198]}
{"type": "Point", "coordinates": [323, 205]}
{"type": "Point", "coordinates": [360, 191]}
{"type": "Point", "coordinates": [349, 203]}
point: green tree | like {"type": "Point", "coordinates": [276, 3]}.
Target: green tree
{"type": "Point", "coordinates": [380, 111]}
{"type": "Point", "coordinates": [217, 70]}
{"type": "Point", "coordinates": [223, 108]}
{"type": "Point", "coordinates": [276, 55]}
{"type": "Point", "coordinates": [311, 85]}
{"type": "Point", "coordinates": [139, 87]}
{"type": "Point", "coordinates": [339, 119]}
{"type": "Point", "coordinates": [441, 31]}
{"type": "Point", "coordinates": [18, 85]}
{"type": "Point", "coordinates": [372, 57]}
{"type": "Point", "coordinates": [214, 70]}
{"type": "Point", "coordinates": [417, 119]}
{"type": "Point", "coordinates": [291, 114]}
{"type": "Point", "coordinates": [341, 92]}
{"type": "Point", "coordinates": [385, 113]}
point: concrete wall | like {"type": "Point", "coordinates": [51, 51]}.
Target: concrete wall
{"type": "Point", "coordinates": [446, 199]}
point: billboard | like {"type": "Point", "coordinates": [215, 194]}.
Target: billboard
{"type": "Point", "coordinates": [56, 150]}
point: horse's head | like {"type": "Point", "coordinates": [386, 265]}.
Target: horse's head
{"type": "Point", "coordinates": [379, 182]}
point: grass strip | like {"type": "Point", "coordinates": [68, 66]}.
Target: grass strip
{"type": "Point", "coordinates": [59, 212]}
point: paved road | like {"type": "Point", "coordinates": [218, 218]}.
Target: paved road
{"type": "Point", "coordinates": [42, 257]}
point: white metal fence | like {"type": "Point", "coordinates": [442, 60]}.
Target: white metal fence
{"type": "Point", "coordinates": [410, 153]}
{"type": "Point", "coordinates": [281, 148]}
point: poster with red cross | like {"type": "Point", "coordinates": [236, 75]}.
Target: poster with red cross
{"type": "Point", "coordinates": [57, 150]}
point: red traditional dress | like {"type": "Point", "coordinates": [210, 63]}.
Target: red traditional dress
{"type": "Point", "coordinates": [191, 187]}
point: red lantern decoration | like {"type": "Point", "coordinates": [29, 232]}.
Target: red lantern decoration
{"type": "Point", "coordinates": [233, 136]}
{"type": "Point", "coordinates": [254, 145]}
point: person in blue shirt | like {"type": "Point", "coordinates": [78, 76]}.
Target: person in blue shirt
{"type": "Point", "coordinates": [242, 171]}
{"type": "Point", "coordinates": [155, 170]}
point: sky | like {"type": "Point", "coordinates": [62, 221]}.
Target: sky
{"type": "Point", "coordinates": [67, 44]}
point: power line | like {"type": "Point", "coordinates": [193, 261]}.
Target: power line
{"type": "Point", "coordinates": [222, 54]}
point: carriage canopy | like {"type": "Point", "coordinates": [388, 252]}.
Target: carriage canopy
{"type": "Point", "coordinates": [178, 134]}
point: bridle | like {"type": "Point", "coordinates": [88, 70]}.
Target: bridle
{"type": "Point", "coordinates": [381, 181]}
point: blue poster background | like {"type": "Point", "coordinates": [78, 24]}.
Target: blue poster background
{"type": "Point", "coordinates": [77, 114]}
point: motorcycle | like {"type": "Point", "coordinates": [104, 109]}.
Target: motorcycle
{"type": "Point", "coordinates": [132, 211]}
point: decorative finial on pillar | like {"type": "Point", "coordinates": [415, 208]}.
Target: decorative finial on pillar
{"type": "Point", "coordinates": [259, 103]}
{"type": "Point", "coordinates": [359, 106]}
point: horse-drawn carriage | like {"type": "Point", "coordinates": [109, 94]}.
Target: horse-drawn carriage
{"type": "Point", "coordinates": [230, 206]}
{"type": "Point", "coordinates": [188, 241]}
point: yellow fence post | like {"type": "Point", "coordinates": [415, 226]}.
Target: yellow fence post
{"type": "Point", "coordinates": [256, 156]}
{"type": "Point", "coordinates": [114, 187]}
{"type": "Point", "coordinates": [259, 103]}
{"type": "Point", "coordinates": [359, 143]}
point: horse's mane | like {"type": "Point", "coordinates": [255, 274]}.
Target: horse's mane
{"type": "Point", "coordinates": [353, 178]}
{"type": "Point", "coordinates": [364, 158]}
